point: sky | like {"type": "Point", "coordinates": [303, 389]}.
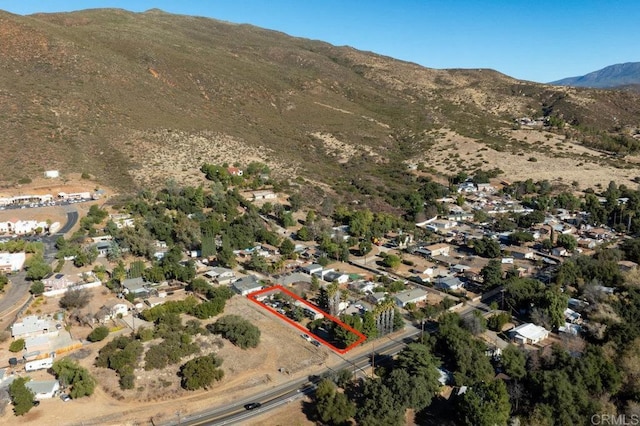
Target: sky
{"type": "Point", "coordinates": [541, 40]}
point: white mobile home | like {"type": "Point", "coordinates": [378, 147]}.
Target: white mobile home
{"type": "Point", "coordinates": [39, 364]}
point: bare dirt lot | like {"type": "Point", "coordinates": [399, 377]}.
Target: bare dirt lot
{"type": "Point", "coordinates": [158, 395]}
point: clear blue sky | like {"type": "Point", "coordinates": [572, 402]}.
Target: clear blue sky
{"type": "Point", "coordinates": [542, 40]}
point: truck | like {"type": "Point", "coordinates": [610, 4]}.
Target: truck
{"type": "Point", "coordinates": [39, 364]}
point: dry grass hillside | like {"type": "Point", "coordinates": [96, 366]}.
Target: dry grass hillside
{"type": "Point", "coordinates": [137, 98]}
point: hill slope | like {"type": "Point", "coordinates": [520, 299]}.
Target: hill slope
{"type": "Point", "coordinates": [137, 98]}
{"type": "Point", "coordinates": [609, 77]}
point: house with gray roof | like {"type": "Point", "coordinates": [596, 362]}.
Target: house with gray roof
{"type": "Point", "coordinates": [247, 285]}
{"type": "Point", "coordinates": [43, 389]}
{"type": "Point", "coordinates": [33, 325]}
{"type": "Point", "coordinates": [135, 286]}
{"type": "Point", "coordinates": [415, 295]}
{"type": "Point", "coordinates": [449, 283]}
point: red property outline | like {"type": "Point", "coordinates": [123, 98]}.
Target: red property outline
{"type": "Point", "coordinates": [253, 297]}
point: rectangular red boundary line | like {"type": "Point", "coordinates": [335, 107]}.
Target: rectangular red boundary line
{"type": "Point", "coordinates": [253, 297]}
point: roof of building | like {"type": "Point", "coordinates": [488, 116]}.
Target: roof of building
{"type": "Point", "coordinates": [296, 277]}
{"type": "Point", "coordinates": [250, 282]}
{"type": "Point", "coordinates": [43, 386]}
{"type": "Point", "coordinates": [133, 284]}
{"type": "Point", "coordinates": [31, 324]}
{"type": "Point", "coordinates": [409, 296]}
{"type": "Point", "coordinates": [531, 331]}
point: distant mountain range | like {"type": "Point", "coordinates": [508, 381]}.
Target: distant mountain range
{"type": "Point", "coordinates": [614, 76]}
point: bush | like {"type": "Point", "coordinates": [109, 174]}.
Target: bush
{"type": "Point", "coordinates": [201, 372]}
{"type": "Point", "coordinates": [17, 345]}
{"type": "Point", "coordinates": [237, 330]}
{"type": "Point", "coordinates": [98, 334]}
{"type": "Point", "coordinates": [37, 288]}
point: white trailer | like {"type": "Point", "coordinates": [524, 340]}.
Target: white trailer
{"type": "Point", "coordinates": [39, 364]}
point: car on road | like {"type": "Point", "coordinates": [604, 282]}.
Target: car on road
{"type": "Point", "coordinates": [252, 406]}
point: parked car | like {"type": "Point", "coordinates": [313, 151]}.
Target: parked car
{"type": "Point", "coordinates": [316, 343]}
{"type": "Point", "coordinates": [305, 336]}
{"type": "Point", "coordinates": [36, 403]}
{"type": "Point", "coordinates": [252, 406]}
{"type": "Point", "coordinates": [65, 397]}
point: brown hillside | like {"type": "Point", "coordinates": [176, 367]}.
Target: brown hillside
{"type": "Point", "coordinates": [137, 98]}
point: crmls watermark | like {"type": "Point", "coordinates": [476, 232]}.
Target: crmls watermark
{"type": "Point", "coordinates": [613, 420]}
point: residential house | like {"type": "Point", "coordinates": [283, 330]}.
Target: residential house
{"type": "Point", "coordinates": [339, 277]}
{"type": "Point", "coordinates": [528, 333]}
{"type": "Point", "coordinates": [523, 253]}
{"type": "Point", "coordinates": [414, 296]}
{"type": "Point", "coordinates": [33, 326]}
{"type": "Point", "coordinates": [22, 227]}
{"type": "Point", "coordinates": [40, 344]}
{"type": "Point", "coordinates": [160, 249]}
{"type": "Point", "coordinates": [135, 286]}
{"type": "Point", "coordinates": [111, 310]}
{"type": "Point", "coordinates": [12, 262]}
{"type": "Point", "coordinates": [263, 195]}
{"type": "Point", "coordinates": [449, 283]}
{"type": "Point", "coordinates": [103, 248]}
{"type": "Point", "coordinates": [439, 249]}
{"type": "Point", "coordinates": [294, 278]}
{"type": "Point", "coordinates": [311, 269]}
{"type": "Point", "coordinates": [560, 251]}
{"type": "Point", "coordinates": [362, 286]}
{"type": "Point", "coordinates": [572, 316]}
{"type": "Point", "coordinates": [247, 285]}
{"type": "Point", "coordinates": [485, 187]}
{"type": "Point", "coordinates": [155, 301]}
{"type": "Point", "coordinates": [459, 268]}
{"type": "Point", "coordinates": [268, 250]}
{"type": "Point", "coordinates": [220, 275]}
{"type": "Point", "coordinates": [377, 297]}
{"type": "Point", "coordinates": [43, 389]}
{"type": "Point", "coordinates": [234, 171]}
{"type": "Point", "coordinates": [58, 282]}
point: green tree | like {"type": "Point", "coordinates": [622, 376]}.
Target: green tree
{"type": "Point", "coordinates": [237, 330]}
{"type": "Point", "coordinates": [392, 261]}
{"type": "Point", "coordinates": [492, 273]}
{"type": "Point", "coordinates": [485, 404]}
{"type": "Point", "coordinates": [72, 374]}
{"type": "Point", "coordinates": [37, 288]}
{"type": "Point", "coordinates": [332, 407]}
{"type": "Point", "coordinates": [287, 247]}
{"type": "Point", "coordinates": [487, 247]}
{"type": "Point", "coordinates": [98, 334]}
{"type": "Point", "coordinates": [201, 372]}
{"type": "Point", "coordinates": [21, 396]}
{"type": "Point", "coordinates": [567, 241]}
{"type": "Point", "coordinates": [514, 362]}
{"type": "Point", "coordinates": [37, 268]}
